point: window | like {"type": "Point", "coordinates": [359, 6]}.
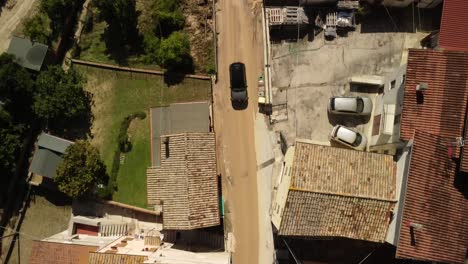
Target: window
{"type": "Point", "coordinates": [392, 84]}
{"type": "Point", "coordinates": [397, 119]}
{"type": "Point", "coordinates": [403, 78]}
{"type": "Point", "coordinates": [376, 125]}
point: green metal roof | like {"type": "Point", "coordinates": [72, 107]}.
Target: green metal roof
{"type": "Point", "coordinates": [48, 155]}
{"type": "Point", "coordinates": [28, 54]}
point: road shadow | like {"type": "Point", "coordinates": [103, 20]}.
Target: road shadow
{"type": "Point", "coordinates": [365, 88]}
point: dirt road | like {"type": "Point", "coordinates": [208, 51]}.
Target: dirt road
{"type": "Point", "coordinates": [239, 39]}
{"type": "Point", "coordinates": [10, 19]}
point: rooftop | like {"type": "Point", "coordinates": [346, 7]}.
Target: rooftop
{"type": "Point", "coordinates": [337, 192]}
{"type": "Point", "coordinates": [48, 155]}
{"type": "Point", "coordinates": [175, 119]}
{"type": "Point", "coordinates": [59, 253]}
{"type": "Point", "coordinates": [186, 184]}
{"type": "Point", "coordinates": [453, 29]}
{"type": "Point", "coordinates": [433, 119]}
{"type": "Point", "coordinates": [28, 54]}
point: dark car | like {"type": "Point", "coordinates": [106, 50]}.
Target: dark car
{"type": "Point", "coordinates": [238, 82]}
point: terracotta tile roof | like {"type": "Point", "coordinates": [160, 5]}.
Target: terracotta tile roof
{"type": "Point", "coordinates": [186, 183]}
{"type": "Point", "coordinates": [338, 192]}
{"type": "Point", "coordinates": [453, 29]}
{"type": "Point", "coordinates": [309, 214]}
{"type": "Point", "coordinates": [112, 258]}
{"type": "Point", "coordinates": [441, 108]}
{"type": "Point", "coordinates": [324, 169]}
{"type": "Point", "coordinates": [434, 200]}
{"type": "Point", "coordinates": [59, 253]}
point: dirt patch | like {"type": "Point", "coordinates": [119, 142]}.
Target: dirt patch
{"type": "Point", "coordinates": [199, 27]}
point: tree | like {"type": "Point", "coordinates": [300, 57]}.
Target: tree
{"type": "Point", "coordinates": [16, 88]}
{"type": "Point", "coordinates": [37, 28]}
{"type": "Point", "coordinates": [174, 52]}
{"type": "Point", "coordinates": [60, 95]}
{"type": "Point", "coordinates": [121, 33]}
{"type": "Point", "coordinates": [167, 17]}
{"type": "Point", "coordinates": [10, 143]}
{"type": "Point", "coordinates": [57, 11]}
{"type": "Point", "coordinates": [151, 47]}
{"type": "Point", "coordinates": [81, 170]}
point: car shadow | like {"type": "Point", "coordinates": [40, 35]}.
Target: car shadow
{"type": "Point", "coordinates": [347, 120]}
{"type": "Point", "coordinates": [239, 105]}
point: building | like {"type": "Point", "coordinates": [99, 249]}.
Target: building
{"type": "Point", "coordinates": [186, 184]}
{"type": "Point", "coordinates": [48, 155]}
{"type": "Point", "coordinates": [434, 199]}
{"type": "Point", "coordinates": [453, 29]}
{"type": "Point", "coordinates": [327, 192]}
{"type": "Point", "coordinates": [28, 54]}
{"type": "Point", "coordinates": [182, 183]}
{"type": "Point", "coordinates": [59, 253]}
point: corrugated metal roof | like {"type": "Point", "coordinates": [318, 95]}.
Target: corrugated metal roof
{"type": "Point", "coordinates": [28, 54]}
{"type": "Point", "coordinates": [111, 258]}
{"type": "Point", "coordinates": [441, 109]}
{"type": "Point", "coordinates": [53, 143]}
{"type": "Point", "coordinates": [453, 27]}
{"type": "Point", "coordinates": [339, 192]}
{"type": "Point", "coordinates": [434, 200]}
{"type": "Point", "coordinates": [186, 182]}
{"type": "Point", "coordinates": [59, 253]}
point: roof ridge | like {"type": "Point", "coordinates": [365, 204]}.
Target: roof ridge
{"type": "Point", "coordinates": [344, 195]}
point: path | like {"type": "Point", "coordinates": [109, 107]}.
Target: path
{"type": "Point", "coordinates": [10, 19]}
{"type": "Point", "coordinates": [239, 39]}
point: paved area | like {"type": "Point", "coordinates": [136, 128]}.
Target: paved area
{"type": "Point", "coordinates": [307, 73]}
{"type": "Point", "coordinates": [239, 39]}
{"type": "Point", "coordinates": [10, 19]}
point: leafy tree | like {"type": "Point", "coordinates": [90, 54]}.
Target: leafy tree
{"type": "Point", "coordinates": [16, 88]}
{"type": "Point", "coordinates": [174, 52]}
{"type": "Point", "coordinates": [167, 17]}
{"type": "Point", "coordinates": [60, 95]}
{"type": "Point", "coordinates": [37, 28]}
{"type": "Point", "coordinates": [57, 11]}
{"type": "Point", "coordinates": [121, 16]}
{"type": "Point", "coordinates": [10, 142]}
{"type": "Point", "coordinates": [151, 47]}
{"type": "Point", "coordinates": [81, 170]}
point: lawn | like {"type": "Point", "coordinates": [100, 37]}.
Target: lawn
{"type": "Point", "coordinates": [119, 94]}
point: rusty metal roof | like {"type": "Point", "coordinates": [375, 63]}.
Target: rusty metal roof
{"type": "Point", "coordinates": [453, 27]}
{"type": "Point", "coordinates": [186, 183]}
{"type": "Point", "coordinates": [434, 199]}
{"type": "Point", "coordinates": [59, 253]}
{"type": "Point", "coordinates": [339, 192]}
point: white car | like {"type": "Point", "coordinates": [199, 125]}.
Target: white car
{"type": "Point", "coordinates": [350, 105]}
{"type": "Point", "coordinates": [348, 137]}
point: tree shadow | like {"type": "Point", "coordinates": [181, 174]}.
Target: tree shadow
{"type": "Point", "coordinates": [172, 78]}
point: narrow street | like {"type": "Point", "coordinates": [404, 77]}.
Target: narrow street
{"type": "Point", "coordinates": [239, 40]}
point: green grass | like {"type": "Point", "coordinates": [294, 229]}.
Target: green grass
{"type": "Point", "coordinates": [119, 94]}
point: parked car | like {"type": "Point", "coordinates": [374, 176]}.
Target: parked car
{"type": "Point", "coordinates": [350, 105]}
{"type": "Point", "coordinates": [348, 137]}
{"type": "Point", "coordinates": [238, 82]}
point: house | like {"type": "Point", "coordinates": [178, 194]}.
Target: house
{"type": "Point", "coordinates": [186, 183]}
{"type": "Point", "coordinates": [59, 253]}
{"type": "Point", "coordinates": [182, 182]}
{"type": "Point", "coordinates": [28, 54]}
{"type": "Point", "coordinates": [453, 29]}
{"type": "Point", "coordinates": [434, 199]}
{"type": "Point", "coordinates": [48, 155]}
{"type": "Point", "coordinates": [327, 192]}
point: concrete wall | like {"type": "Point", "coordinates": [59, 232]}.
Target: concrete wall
{"type": "Point", "coordinates": [392, 96]}
{"type": "Point", "coordinates": [282, 188]}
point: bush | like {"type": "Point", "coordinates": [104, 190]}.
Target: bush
{"type": "Point", "coordinates": [151, 46]}
{"type": "Point", "coordinates": [175, 52]}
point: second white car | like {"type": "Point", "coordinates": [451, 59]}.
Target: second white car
{"type": "Point", "coordinates": [348, 137]}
